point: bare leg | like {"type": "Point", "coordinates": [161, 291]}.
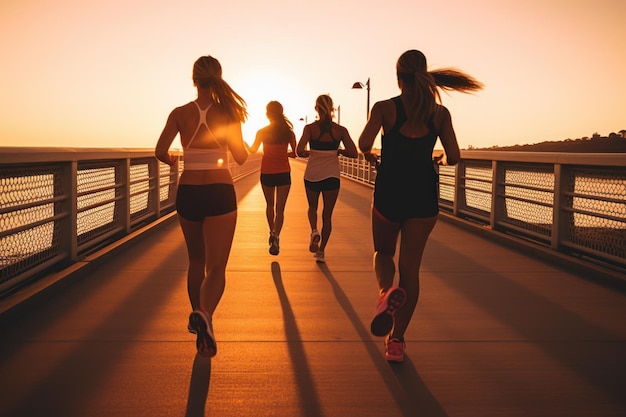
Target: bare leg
{"type": "Point", "coordinates": [385, 270]}
{"type": "Point", "coordinates": [385, 235]}
{"type": "Point", "coordinates": [194, 239]}
{"type": "Point", "coordinates": [268, 192]}
{"type": "Point", "coordinates": [313, 199]}
{"type": "Point", "coordinates": [330, 199]}
{"type": "Point", "coordinates": [282, 192]}
{"type": "Point", "coordinates": [208, 247]}
{"type": "Point", "coordinates": [218, 239]}
{"type": "Point", "coordinates": [414, 235]}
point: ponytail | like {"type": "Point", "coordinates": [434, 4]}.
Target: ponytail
{"type": "Point", "coordinates": [423, 86]}
{"type": "Point", "coordinates": [324, 107]}
{"type": "Point", "coordinates": [231, 102]}
{"type": "Point", "coordinates": [207, 74]}
{"type": "Point", "coordinates": [451, 79]}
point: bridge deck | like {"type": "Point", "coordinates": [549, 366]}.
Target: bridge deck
{"type": "Point", "coordinates": [496, 333]}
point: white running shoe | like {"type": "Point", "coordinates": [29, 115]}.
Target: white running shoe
{"type": "Point", "coordinates": [314, 244]}
{"type": "Point", "coordinates": [202, 326]}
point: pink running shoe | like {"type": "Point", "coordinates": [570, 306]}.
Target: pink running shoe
{"type": "Point", "coordinates": [203, 328]}
{"type": "Point", "coordinates": [394, 350]}
{"type": "Point", "coordinates": [388, 304]}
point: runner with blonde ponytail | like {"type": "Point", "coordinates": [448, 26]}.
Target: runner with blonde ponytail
{"type": "Point", "coordinates": [210, 132]}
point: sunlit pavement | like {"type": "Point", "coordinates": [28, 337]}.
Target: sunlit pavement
{"type": "Point", "coordinates": [496, 333]}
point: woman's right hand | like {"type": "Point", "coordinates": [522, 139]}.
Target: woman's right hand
{"type": "Point", "coordinates": [439, 159]}
{"type": "Point", "coordinates": [371, 158]}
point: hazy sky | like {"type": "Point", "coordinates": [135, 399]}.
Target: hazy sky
{"type": "Point", "coordinates": [107, 73]}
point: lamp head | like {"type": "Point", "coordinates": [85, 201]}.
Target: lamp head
{"type": "Point", "coordinates": [357, 85]}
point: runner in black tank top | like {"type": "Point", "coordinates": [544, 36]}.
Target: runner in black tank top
{"type": "Point", "coordinates": [405, 204]}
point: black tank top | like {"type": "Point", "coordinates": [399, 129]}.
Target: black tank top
{"type": "Point", "coordinates": [406, 180]}
{"type": "Point", "coordinates": [403, 158]}
{"type": "Point", "coordinates": [324, 145]}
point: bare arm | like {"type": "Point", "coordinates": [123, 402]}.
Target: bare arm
{"type": "Point", "coordinates": [448, 138]}
{"type": "Point", "coordinates": [258, 139]}
{"type": "Point", "coordinates": [304, 140]}
{"type": "Point", "coordinates": [349, 150]}
{"type": "Point", "coordinates": [235, 143]}
{"type": "Point", "coordinates": [168, 134]}
{"type": "Point", "coordinates": [292, 144]}
{"type": "Point", "coordinates": [370, 131]}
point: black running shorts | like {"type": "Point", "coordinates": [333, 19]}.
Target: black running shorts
{"type": "Point", "coordinates": [195, 202]}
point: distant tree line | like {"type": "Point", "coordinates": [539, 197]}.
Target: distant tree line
{"type": "Point", "coordinates": [613, 143]}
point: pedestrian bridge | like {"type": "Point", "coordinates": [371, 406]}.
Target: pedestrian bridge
{"type": "Point", "coordinates": [504, 327]}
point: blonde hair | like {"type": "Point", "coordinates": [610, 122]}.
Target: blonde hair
{"type": "Point", "coordinates": [207, 74]}
{"type": "Point", "coordinates": [422, 85]}
{"type": "Point", "coordinates": [325, 109]}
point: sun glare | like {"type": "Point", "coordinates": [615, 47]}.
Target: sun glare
{"type": "Point", "coordinates": [260, 88]}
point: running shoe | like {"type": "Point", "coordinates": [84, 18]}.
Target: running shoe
{"type": "Point", "coordinates": [319, 256]}
{"type": "Point", "coordinates": [274, 248]}
{"type": "Point", "coordinates": [388, 304]}
{"type": "Point", "coordinates": [394, 350]}
{"type": "Point", "coordinates": [190, 327]}
{"type": "Point", "coordinates": [314, 244]}
{"type": "Point", "coordinates": [203, 328]}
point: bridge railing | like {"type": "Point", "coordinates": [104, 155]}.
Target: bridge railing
{"type": "Point", "coordinates": [572, 203]}
{"type": "Point", "coordinates": [59, 205]}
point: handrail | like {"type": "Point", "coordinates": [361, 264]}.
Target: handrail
{"type": "Point", "coordinates": [573, 204]}
{"type": "Point", "coordinates": [58, 205]}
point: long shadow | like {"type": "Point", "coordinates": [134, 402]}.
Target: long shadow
{"type": "Point", "coordinates": [307, 393]}
{"type": "Point", "coordinates": [201, 370]}
{"type": "Point", "coordinates": [77, 377]}
{"type": "Point", "coordinates": [198, 387]}
{"type": "Point", "coordinates": [584, 347]}
{"type": "Point", "coordinates": [415, 399]}
{"type": "Point", "coordinates": [23, 329]}
{"type": "Point", "coordinates": [358, 201]}
{"type": "Point", "coordinates": [418, 400]}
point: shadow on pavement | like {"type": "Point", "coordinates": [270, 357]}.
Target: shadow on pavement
{"type": "Point", "coordinates": [307, 393]}
{"type": "Point", "coordinates": [415, 398]}
{"type": "Point", "coordinates": [198, 387]}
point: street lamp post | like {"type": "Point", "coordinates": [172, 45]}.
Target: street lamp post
{"type": "Point", "coordinates": [359, 85]}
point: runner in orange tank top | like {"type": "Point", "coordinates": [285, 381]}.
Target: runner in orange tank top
{"type": "Point", "coordinates": [276, 138]}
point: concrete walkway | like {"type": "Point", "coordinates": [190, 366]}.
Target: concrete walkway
{"type": "Point", "coordinates": [496, 333]}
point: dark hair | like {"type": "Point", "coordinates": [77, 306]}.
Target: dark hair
{"type": "Point", "coordinates": [422, 85]}
{"type": "Point", "coordinates": [207, 74]}
{"type": "Point", "coordinates": [280, 126]}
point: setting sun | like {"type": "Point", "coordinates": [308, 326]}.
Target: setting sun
{"type": "Point", "coordinates": [259, 88]}
{"type": "Point", "coordinates": [104, 88]}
